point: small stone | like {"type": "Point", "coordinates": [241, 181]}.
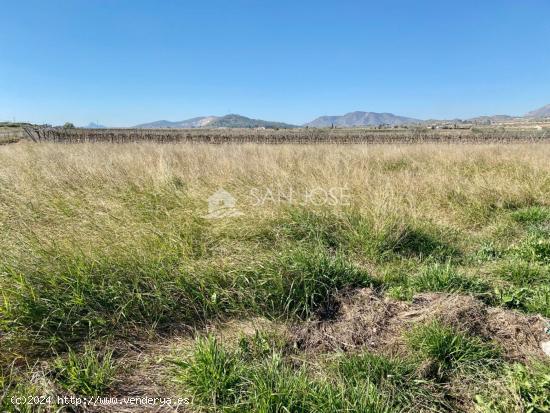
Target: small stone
{"type": "Point", "coordinates": [545, 345]}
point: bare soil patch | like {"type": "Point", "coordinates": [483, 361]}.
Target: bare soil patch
{"type": "Point", "coordinates": [365, 319]}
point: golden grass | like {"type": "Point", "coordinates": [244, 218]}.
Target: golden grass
{"type": "Point", "coordinates": [100, 196]}
{"type": "Point", "coordinates": [47, 186]}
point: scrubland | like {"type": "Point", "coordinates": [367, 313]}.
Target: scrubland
{"type": "Point", "coordinates": [355, 278]}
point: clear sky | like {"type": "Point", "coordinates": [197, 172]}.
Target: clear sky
{"type": "Point", "coordinates": [124, 62]}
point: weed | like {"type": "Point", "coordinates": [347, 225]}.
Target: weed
{"type": "Point", "coordinates": [213, 374]}
{"type": "Point", "coordinates": [527, 286]}
{"type": "Point", "coordinates": [450, 349]}
{"type": "Point", "coordinates": [532, 215]}
{"type": "Point", "coordinates": [436, 277]}
{"type": "Point", "coordinates": [409, 240]}
{"type": "Point", "coordinates": [522, 273]}
{"type": "Point", "coordinates": [319, 227]}
{"type": "Point", "coordinates": [70, 298]}
{"type": "Point", "coordinates": [488, 251]}
{"type": "Point", "coordinates": [302, 282]}
{"type": "Point", "coordinates": [88, 373]}
{"type": "Point", "coordinates": [445, 278]}
{"type": "Point", "coordinates": [534, 248]}
{"type": "Point", "coordinates": [523, 389]}
{"type": "Point", "coordinates": [534, 299]}
{"type": "Point", "coordinates": [218, 378]}
{"type": "Point", "coordinates": [260, 345]}
{"type": "Point", "coordinates": [397, 378]}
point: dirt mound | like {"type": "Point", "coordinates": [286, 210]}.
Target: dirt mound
{"type": "Point", "coordinates": [366, 319]}
{"type": "Point", "coordinates": [363, 319]}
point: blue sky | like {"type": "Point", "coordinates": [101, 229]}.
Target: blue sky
{"type": "Point", "coordinates": [126, 62]}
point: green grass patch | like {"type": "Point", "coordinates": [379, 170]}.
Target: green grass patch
{"type": "Point", "coordinates": [64, 300]}
{"type": "Point", "coordinates": [433, 277]}
{"type": "Point", "coordinates": [213, 374]}
{"type": "Point", "coordinates": [446, 278]}
{"type": "Point", "coordinates": [522, 273]}
{"type": "Point", "coordinates": [451, 350]}
{"type": "Point", "coordinates": [523, 389]}
{"type": "Point", "coordinates": [414, 241]}
{"type": "Point", "coordinates": [487, 251]}
{"type": "Point", "coordinates": [318, 227]}
{"type": "Point", "coordinates": [525, 285]}
{"type": "Point", "coordinates": [417, 242]}
{"type": "Point", "coordinates": [533, 299]}
{"type": "Point", "coordinates": [303, 282]}
{"type": "Point", "coordinates": [398, 377]}
{"type": "Point", "coordinates": [89, 373]}
{"type": "Point", "coordinates": [226, 379]}
{"type": "Point", "coordinates": [534, 248]}
{"type": "Point", "coordinates": [352, 231]}
{"type": "Point", "coordinates": [532, 215]}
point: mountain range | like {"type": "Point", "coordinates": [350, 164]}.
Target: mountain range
{"type": "Point", "coordinates": [543, 112]}
{"type": "Point", "coordinates": [362, 119]}
{"type": "Point", "coordinates": [227, 121]}
{"type": "Point", "coordinates": [352, 119]}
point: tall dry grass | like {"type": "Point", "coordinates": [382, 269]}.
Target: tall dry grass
{"type": "Point", "coordinates": [123, 197]}
{"type": "Point", "coordinates": [420, 179]}
{"type": "Point", "coordinates": [106, 241]}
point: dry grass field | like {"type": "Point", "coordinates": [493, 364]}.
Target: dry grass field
{"type": "Point", "coordinates": [323, 278]}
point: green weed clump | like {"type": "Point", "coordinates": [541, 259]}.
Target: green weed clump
{"type": "Point", "coordinates": [525, 285]}
{"type": "Point", "coordinates": [227, 380]}
{"type": "Point", "coordinates": [451, 350]}
{"type": "Point", "coordinates": [315, 226]}
{"type": "Point", "coordinates": [89, 373]}
{"type": "Point", "coordinates": [393, 237]}
{"type": "Point", "coordinates": [532, 215]}
{"type": "Point", "coordinates": [522, 389]}
{"type": "Point", "coordinates": [304, 282]}
{"type": "Point", "coordinates": [213, 374]}
{"type": "Point", "coordinates": [398, 377]}
{"type": "Point", "coordinates": [435, 277]}
{"type": "Point", "coordinates": [528, 299]}
{"type": "Point", "coordinates": [522, 273]}
{"type": "Point", "coordinates": [411, 241]}
{"type": "Point", "coordinates": [65, 300]}
{"type": "Point", "coordinates": [445, 278]}
{"type": "Point", "coordinates": [398, 239]}
{"type": "Point", "coordinates": [534, 248]}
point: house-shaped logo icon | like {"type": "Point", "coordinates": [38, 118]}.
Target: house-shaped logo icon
{"type": "Point", "coordinates": [221, 204]}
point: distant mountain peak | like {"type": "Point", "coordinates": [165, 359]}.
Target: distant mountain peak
{"type": "Point", "coordinates": [93, 125]}
{"type": "Point", "coordinates": [197, 122]}
{"type": "Point", "coordinates": [543, 112]}
{"type": "Point", "coordinates": [360, 118]}
{"type": "Point", "coordinates": [232, 120]}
